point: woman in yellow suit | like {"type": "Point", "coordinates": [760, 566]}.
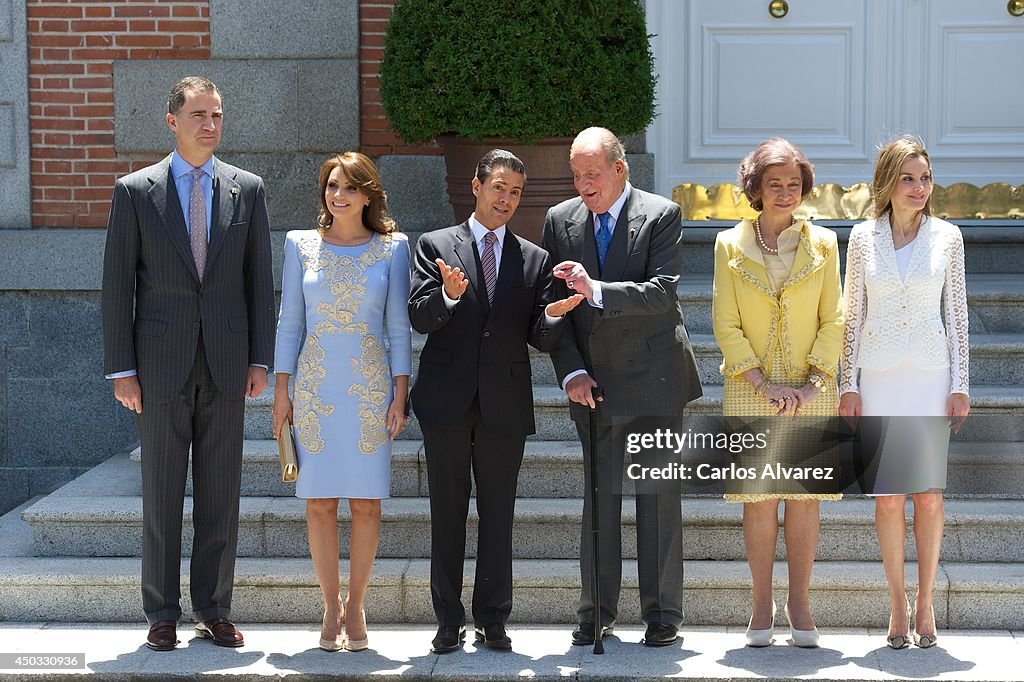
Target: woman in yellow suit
{"type": "Point", "coordinates": [777, 317]}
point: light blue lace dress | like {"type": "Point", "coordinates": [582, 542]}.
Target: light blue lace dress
{"type": "Point", "coordinates": [346, 307]}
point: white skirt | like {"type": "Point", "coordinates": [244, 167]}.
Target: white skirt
{"type": "Point", "coordinates": [914, 446]}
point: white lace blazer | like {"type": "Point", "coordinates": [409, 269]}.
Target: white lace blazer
{"type": "Point", "coordinates": [889, 318]}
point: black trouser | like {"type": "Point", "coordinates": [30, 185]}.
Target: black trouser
{"type": "Point", "coordinates": [452, 452]}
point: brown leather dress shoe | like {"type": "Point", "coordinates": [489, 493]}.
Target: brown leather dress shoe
{"type": "Point", "coordinates": [222, 631]}
{"type": "Point", "coordinates": [163, 636]}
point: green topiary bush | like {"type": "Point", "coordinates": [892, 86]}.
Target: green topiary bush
{"type": "Point", "coordinates": [521, 71]}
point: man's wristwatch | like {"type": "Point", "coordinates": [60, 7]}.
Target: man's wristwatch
{"type": "Point", "coordinates": [816, 380]}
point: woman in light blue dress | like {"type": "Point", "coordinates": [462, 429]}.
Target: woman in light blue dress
{"type": "Point", "coordinates": [344, 335]}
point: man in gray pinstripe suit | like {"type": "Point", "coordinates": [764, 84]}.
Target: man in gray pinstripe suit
{"type": "Point", "coordinates": [188, 332]}
{"type": "Point", "coordinates": [622, 248]}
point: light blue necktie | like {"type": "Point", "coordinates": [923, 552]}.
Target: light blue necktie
{"type": "Point", "coordinates": [604, 237]}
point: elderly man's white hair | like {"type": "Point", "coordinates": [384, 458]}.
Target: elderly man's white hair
{"type": "Point", "coordinates": [603, 139]}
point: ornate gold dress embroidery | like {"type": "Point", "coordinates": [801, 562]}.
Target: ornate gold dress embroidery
{"type": "Point", "coordinates": [345, 276]}
{"type": "Point", "coordinates": [373, 365]}
{"type": "Point", "coordinates": [308, 405]}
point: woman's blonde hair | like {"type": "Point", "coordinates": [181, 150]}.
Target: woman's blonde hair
{"type": "Point", "coordinates": [890, 161]}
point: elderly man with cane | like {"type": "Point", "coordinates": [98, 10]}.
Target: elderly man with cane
{"type": "Point", "coordinates": [621, 248]}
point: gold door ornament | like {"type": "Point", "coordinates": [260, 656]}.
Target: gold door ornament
{"type": "Point", "coordinates": [778, 8]}
{"type": "Point", "coordinates": [831, 201]}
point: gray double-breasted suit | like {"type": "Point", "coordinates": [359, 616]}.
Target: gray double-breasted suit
{"type": "Point", "coordinates": [636, 348]}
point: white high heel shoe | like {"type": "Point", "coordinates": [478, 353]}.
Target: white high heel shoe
{"type": "Point", "coordinates": [807, 639]}
{"type": "Point", "coordinates": [760, 638]}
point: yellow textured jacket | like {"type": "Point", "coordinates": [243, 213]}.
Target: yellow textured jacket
{"type": "Point", "coordinates": [749, 320]}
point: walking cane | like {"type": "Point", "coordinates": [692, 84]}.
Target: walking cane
{"type": "Point", "coordinates": [598, 393]}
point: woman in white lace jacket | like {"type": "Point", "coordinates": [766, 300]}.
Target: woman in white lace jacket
{"type": "Point", "coordinates": [905, 353]}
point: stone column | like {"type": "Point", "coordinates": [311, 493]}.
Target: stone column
{"type": "Point", "coordinates": [16, 197]}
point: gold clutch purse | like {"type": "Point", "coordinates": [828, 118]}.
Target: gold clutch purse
{"type": "Point", "coordinates": [286, 452]}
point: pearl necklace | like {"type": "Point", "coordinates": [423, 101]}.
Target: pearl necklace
{"type": "Point", "coordinates": [760, 239]}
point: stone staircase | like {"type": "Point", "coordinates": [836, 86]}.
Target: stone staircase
{"type": "Point", "coordinates": [86, 536]}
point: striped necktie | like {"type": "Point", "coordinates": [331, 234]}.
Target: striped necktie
{"type": "Point", "coordinates": [490, 265]}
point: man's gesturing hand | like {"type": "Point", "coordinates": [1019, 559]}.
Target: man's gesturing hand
{"type": "Point", "coordinates": [560, 308]}
{"type": "Point", "coordinates": [576, 277]}
{"type": "Point", "coordinates": [454, 281]}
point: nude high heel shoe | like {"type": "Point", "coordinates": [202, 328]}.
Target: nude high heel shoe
{"type": "Point", "coordinates": [330, 644]}
{"type": "Point", "coordinates": [761, 638]}
{"type": "Point", "coordinates": [925, 641]}
{"type": "Point", "coordinates": [359, 644]}
{"type": "Point", "coordinates": [900, 641]}
{"type": "Point", "coordinates": [807, 639]}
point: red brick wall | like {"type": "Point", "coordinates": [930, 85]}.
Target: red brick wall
{"type": "Point", "coordinates": [375, 137]}
{"type": "Point", "coordinates": [71, 47]}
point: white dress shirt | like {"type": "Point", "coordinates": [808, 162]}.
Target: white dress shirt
{"type": "Point", "coordinates": [479, 232]}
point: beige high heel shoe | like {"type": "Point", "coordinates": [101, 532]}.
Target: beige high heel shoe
{"type": "Point", "coordinates": [926, 641]}
{"type": "Point", "coordinates": [332, 645]}
{"type": "Point", "coordinates": [900, 641]}
{"type": "Point", "coordinates": [359, 644]}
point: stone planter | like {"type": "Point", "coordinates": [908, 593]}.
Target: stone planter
{"type": "Point", "coordinates": [548, 178]}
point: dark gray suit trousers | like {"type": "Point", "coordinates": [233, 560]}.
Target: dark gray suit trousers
{"type": "Point", "coordinates": [659, 524]}
{"type": "Point", "coordinates": [199, 415]}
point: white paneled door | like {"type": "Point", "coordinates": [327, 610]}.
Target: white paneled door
{"type": "Point", "coordinates": [838, 78]}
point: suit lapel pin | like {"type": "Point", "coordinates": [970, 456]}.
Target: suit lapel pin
{"type": "Point", "coordinates": [234, 190]}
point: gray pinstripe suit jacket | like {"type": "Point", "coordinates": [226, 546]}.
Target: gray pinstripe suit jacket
{"type": "Point", "coordinates": [153, 302]}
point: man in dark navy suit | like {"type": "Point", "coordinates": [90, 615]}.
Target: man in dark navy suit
{"type": "Point", "coordinates": [481, 294]}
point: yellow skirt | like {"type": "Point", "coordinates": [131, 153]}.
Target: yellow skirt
{"type": "Point", "coordinates": [740, 400]}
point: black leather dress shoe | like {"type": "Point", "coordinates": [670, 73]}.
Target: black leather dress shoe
{"type": "Point", "coordinates": [493, 636]}
{"type": "Point", "coordinates": [660, 634]}
{"type": "Point", "coordinates": [584, 633]}
{"type": "Point", "coordinates": [448, 639]}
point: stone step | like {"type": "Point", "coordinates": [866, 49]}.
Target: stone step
{"type": "Point", "coordinates": [551, 411]}
{"type": "Point", "coordinates": [543, 372]}
{"type": "Point", "coordinates": [550, 469]}
{"type": "Point", "coordinates": [996, 246]}
{"type": "Point", "coordinates": [995, 301]}
{"type": "Point", "coordinates": [997, 359]}
{"type": "Point", "coordinates": [99, 525]}
{"type": "Point", "coordinates": [554, 469]}
{"type": "Point", "coordinates": [843, 594]}
{"type": "Point", "coordinates": [996, 304]}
